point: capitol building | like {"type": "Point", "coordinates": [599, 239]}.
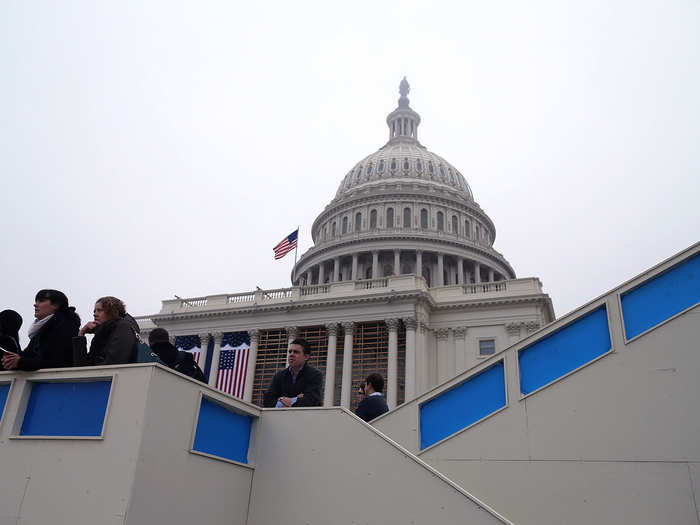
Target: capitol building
{"type": "Point", "coordinates": [402, 279]}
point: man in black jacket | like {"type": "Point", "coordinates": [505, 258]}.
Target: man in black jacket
{"type": "Point", "coordinates": [183, 362]}
{"type": "Point", "coordinates": [373, 404]}
{"type": "Point", "coordinates": [300, 384]}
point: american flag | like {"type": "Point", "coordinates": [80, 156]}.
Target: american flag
{"type": "Point", "coordinates": [233, 363]}
{"type": "Point", "coordinates": [189, 343]}
{"type": "Point", "coordinates": [286, 245]}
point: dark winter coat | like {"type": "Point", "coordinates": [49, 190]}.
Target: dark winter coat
{"type": "Point", "coordinates": [371, 407]}
{"type": "Point", "coordinates": [51, 347]}
{"type": "Point", "coordinates": [178, 360]}
{"type": "Point", "coordinates": [309, 382]}
{"type": "Point", "coordinates": [113, 343]}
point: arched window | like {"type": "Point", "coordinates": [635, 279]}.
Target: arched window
{"type": "Point", "coordinates": [390, 218]}
{"type": "Point", "coordinates": [454, 224]}
{"type": "Point", "coordinates": [373, 219]}
{"type": "Point", "coordinates": [345, 225]}
{"type": "Point", "coordinates": [333, 230]}
{"type": "Point", "coordinates": [424, 218]}
{"type": "Point", "coordinates": [467, 229]}
{"type": "Point", "coordinates": [440, 221]}
{"type": "Point", "coordinates": [407, 217]}
{"type": "Point", "coordinates": [369, 169]}
{"type": "Point", "coordinates": [380, 169]}
{"type": "Point", "coordinates": [406, 165]}
{"type": "Point", "coordinates": [393, 164]}
{"type": "Point", "coordinates": [419, 166]}
{"type": "Point", "coordinates": [358, 221]}
{"type": "Point", "coordinates": [324, 232]}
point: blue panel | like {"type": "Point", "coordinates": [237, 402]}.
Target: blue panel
{"type": "Point", "coordinates": [462, 405]}
{"type": "Point", "coordinates": [66, 409]}
{"type": "Point", "coordinates": [563, 351]}
{"type": "Point", "coordinates": [662, 297]}
{"type": "Point", "coordinates": [4, 391]}
{"type": "Point", "coordinates": [221, 432]}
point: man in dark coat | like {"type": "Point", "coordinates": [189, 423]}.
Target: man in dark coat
{"type": "Point", "coordinates": [373, 404]}
{"type": "Point", "coordinates": [300, 384]}
{"type": "Point", "coordinates": [183, 362]}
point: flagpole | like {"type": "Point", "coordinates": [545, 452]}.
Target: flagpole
{"type": "Point", "coordinates": [297, 247]}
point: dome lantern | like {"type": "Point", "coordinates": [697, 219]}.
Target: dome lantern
{"type": "Point", "coordinates": [403, 121]}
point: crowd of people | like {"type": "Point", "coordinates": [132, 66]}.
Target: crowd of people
{"type": "Point", "coordinates": [56, 340]}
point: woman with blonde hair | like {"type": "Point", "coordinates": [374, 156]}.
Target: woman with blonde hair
{"type": "Point", "coordinates": [115, 335]}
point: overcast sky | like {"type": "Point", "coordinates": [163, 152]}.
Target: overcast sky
{"type": "Point", "coordinates": [160, 149]}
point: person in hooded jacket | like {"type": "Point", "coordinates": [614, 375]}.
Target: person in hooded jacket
{"type": "Point", "coordinates": [183, 362]}
{"type": "Point", "coordinates": [49, 336]}
{"type": "Point", "coordinates": [115, 335]}
{"type": "Point", "coordinates": [10, 323]}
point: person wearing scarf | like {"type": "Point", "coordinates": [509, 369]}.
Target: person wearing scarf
{"type": "Point", "coordinates": [50, 336]}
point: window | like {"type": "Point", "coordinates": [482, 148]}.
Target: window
{"type": "Point", "coordinates": [440, 221]}
{"type": "Point", "coordinates": [419, 166]}
{"type": "Point", "coordinates": [467, 229]}
{"type": "Point", "coordinates": [390, 218]}
{"type": "Point", "coordinates": [333, 230]}
{"type": "Point", "coordinates": [358, 222]}
{"type": "Point", "coordinates": [487, 347]}
{"type": "Point", "coordinates": [369, 169]}
{"type": "Point", "coordinates": [424, 218]}
{"type": "Point", "coordinates": [368, 272]}
{"type": "Point", "coordinates": [324, 233]}
{"type": "Point", "coordinates": [388, 270]}
{"type": "Point", "coordinates": [393, 164]}
{"type": "Point", "coordinates": [406, 165]}
{"type": "Point", "coordinates": [345, 225]}
{"type": "Point", "coordinates": [380, 169]}
{"type": "Point", "coordinates": [407, 217]}
{"type": "Point", "coordinates": [454, 224]}
{"type": "Point", "coordinates": [373, 219]}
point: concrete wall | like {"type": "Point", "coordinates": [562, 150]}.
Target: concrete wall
{"type": "Point", "coordinates": [616, 441]}
{"type": "Point", "coordinates": [320, 466]}
{"type": "Point", "coordinates": [173, 486]}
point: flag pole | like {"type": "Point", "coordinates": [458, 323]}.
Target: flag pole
{"type": "Point", "coordinates": [296, 247]}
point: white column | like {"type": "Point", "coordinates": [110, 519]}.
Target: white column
{"type": "Point", "coordinates": [490, 275]}
{"type": "Point", "coordinates": [354, 267]}
{"type": "Point", "coordinates": [291, 334]}
{"type": "Point", "coordinates": [250, 371]}
{"type": "Point", "coordinates": [375, 264]}
{"type": "Point", "coordinates": [346, 387]}
{"type": "Point", "coordinates": [477, 272]}
{"type": "Point", "coordinates": [443, 355]}
{"type": "Point", "coordinates": [397, 262]}
{"type": "Point", "coordinates": [460, 270]}
{"type": "Point", "coordinates": [321, 273]}
{"type": "Point", "coordinates": [204, 348]}
{"type": "Point", "coordinates": [410, 371]}
{"type": "Point", "coordinates": [460, 334]}
{"type": "Point", "coordinates": [336, 269]}
{"type": "Point", "coordinates": [329, 389]}
{"type": "Point", "coordinates": [440, 281]}
{"type": "Point", "coordinates": [419, 263]}
{"type": "Point", "coordinates": [216, 352]}
{"type": "Point", "coordinates": [309, 276]}
{"type": "Point", "coordinates": [393, 361]}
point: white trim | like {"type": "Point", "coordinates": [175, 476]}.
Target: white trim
{"type": "Point", "coordinates": [11, 382]}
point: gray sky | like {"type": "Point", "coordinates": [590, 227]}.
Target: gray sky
{"type": "Point", "coordinates": [160, 149]}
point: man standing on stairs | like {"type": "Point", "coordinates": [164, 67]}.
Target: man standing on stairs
{"type": "Point", "coordinates": [298, 385]}
{"type": "Point", "coordinates": [373, 404]}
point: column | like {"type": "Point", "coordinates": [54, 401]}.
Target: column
{"type": "Point", "coordinates": [490, 275]}
{"type": "Point", "coordinates": [336, 269]}
{"type": "Point", "coordinates": [250, 371]}
{"type": "Point", "coordinates": [329, 388]}
{"type": "Point", "coordinates": [204, 348]}
{"type": "Point", "coordinates": [346, 387]}
{"type": "Point", "coordinates": [375, 264]}
{"type": "Point", "coordinates": [321, 273]}
{"type": "Point", "coordinates": [397, 262]}
{"type": "Point", "coordinates": [354, 267]}
{"type": "Point", "coordinates": [309, 276]}
{"type": "Point", "coordinates": [440, 280]}
{"type": "Point", "coordinates": [477, 272]}
{"type": "Point", "coordinates": [392, 368]}
{"type": "Point", "coordinates": [460, 270]}
{"type": "Point", "coordinates": [443, 357]}
{"type": "Point", "coordinates": [460, 334]}
{"type": "Point", "coordinates": [410, 371]}
{"type": "Point", "coordinates": [216, 352]}
{"type": "Point", "coordinates": [419, 263]}
{"type": "Point", "coordinates": [291, 334]}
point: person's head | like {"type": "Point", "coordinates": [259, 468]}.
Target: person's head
{"type": "Point", "coordinates": [158, 335]}
{"type": "Point", "coordinates": [374, 383]}
{"type": "Point", "coordinates": [299, 353]}
{"type": "Point", "coordinates": [107, 308]}
{"type": "Point", "coordinates": [48, 302]}
{"type": "Point", "coordinates": [10, 323]}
